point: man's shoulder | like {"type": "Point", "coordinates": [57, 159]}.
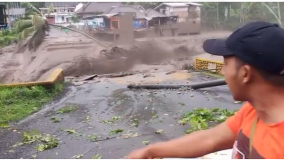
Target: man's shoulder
{"type": "Point", "coordinates": [244, 116]}
{"type": "Point", "coordinates": [246, 109]}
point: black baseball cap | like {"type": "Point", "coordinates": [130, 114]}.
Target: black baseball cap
{"type": "Point", "coordinates": [260, 44]}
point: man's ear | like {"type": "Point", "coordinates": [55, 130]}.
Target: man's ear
{"type": "Point", "coordinates": [246, 73]}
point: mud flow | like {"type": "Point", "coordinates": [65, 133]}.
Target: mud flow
{"type": "Point", "coordinates": [79, 56]}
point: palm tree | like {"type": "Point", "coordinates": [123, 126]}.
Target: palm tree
{"type": "Point", "coordinates": [34, 27]}
{"type": "Point", "coordinates": [24, 28]}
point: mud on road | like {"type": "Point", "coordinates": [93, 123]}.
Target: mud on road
{"type": "Point", "coordinates": [140, 113]}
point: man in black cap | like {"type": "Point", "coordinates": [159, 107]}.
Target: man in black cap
{"type": "Point", "coordinates": [254, 71]}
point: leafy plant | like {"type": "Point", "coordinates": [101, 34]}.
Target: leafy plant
{"type": "Point", "coordinates": [55, 120]}
{"type": "Point", "coordinates": [67, 109]}
{"type": "Point", "coordinates": [116, 131]}
{"type": "Point", "coordinates": [146, 142]}
{"type": "Point", "coordinates": [93, 137]}
{"type": "Point", "coordinates": [70, 131]}
{"type": "Point", "coordinates": [202, 118]}
{"type": "Point", "coordinates": [135, 122]}
{"type": "Point", "coordinates": [79, 156]}
{"type": "Point", "coordinates": [75, 19]}
{"type": "Point", "coordinates": [114, 119]}
{"type": "Point", "coordinates": [97, 156]}
{"type": "Point", "coordinates": [46, 141]}
{"type": "Point", "coordinates": [155, 116]}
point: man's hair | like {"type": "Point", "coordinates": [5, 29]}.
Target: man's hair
{"type": "Point", "coordinates": [270, 78]}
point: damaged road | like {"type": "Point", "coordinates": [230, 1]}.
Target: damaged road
{"type": "Point", "coordinates": [105, 119]}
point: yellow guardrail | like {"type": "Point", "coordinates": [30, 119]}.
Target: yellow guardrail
{"type": "Point", "coordinates": [55, 77]}
{"type": "Point", "coordinates": [208, 65]}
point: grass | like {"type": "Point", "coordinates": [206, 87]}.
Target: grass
{"type": "Point", "coordinates": [17, 103]}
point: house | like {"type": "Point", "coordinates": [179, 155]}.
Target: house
{"type": "Point", "coordinates": [178, 9]}
{"type": "Point", "coordinates": [58, 12]}
{"type": "Point", "coordinates": [141, 18]}
{"type": "Point", "coordinates": [158, 18]}
{"type": "Point", "coordinates": [94, 8]}
{"type": "Point", "coordinates": [14, 11]}
{"type": "Point", "coordinates": [109, 19]}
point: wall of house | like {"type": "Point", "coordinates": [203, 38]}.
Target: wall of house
{"type": "Point", "coordinates": [98, 23]}
{"type": "Point", "coordinates": [50, 20]}
{"type": "Point", "coordinates": [62, 19]}
{"type": "Point", "coordinates": [139, 23]}
{"type": "Point", "coordinates": [107, 23]}
{"type": "Point", "coordinates": [113, 21]}
{"type": "Point", "coordinates": [194, 12]}
{"type": "Point", "coordinates": [182, 13]}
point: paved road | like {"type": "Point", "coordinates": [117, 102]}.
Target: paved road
{"type": "Point", "coordinates": [103, 100]}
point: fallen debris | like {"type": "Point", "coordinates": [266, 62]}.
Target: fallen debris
{"type": "Point", "coordinates": [146, 142]}
{"type": "Point", "coordinates": [171, 72]}
{"type": "Point", "coordinates": [89, 77]}
{"type": "Point", "coordinates": [115, 75]}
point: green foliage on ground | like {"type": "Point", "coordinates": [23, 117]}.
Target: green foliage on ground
{"type": "Point", "coordinates": [202, 118]}
{"type": "Point", "coordinates": [17, 103]}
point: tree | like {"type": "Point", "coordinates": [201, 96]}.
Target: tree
{"type": "Point", "coordinates": [24, 28]}
{"type": "Point", "coordinates": [272, 11]}
{"type": "Point", "coordinates": [50, 9]}
{"type": "Point", "coordinates": [74, 19]}
{"type": "Point", "coordinates": [34, 26]}
{"type": "Point", "coordinates": [231, 15]}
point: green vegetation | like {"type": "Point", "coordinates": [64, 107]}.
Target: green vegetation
{"type": "Point", "coordinates": [7, 37]}
{"type": "Point", "coordinates": [17, 103]}
{"type": "Point", "coordinates": [97, 156]}
{"type": "Point", "coordinates": [75, 19]}
{"type": "Point", "coordinates": [116, 131]}
{"type": "Point", "coordinates": [67, 109]}
{"type": "Point", "coordinates": [32, 24]}
{"type": "Point", "coordinates": [114, 119]}
{"type": "Point", "coordinates": [202, 118]}
{"type": "Point", "coordinates": [230, 15]}
{"type": "Point", "coordinates": [45, 141]}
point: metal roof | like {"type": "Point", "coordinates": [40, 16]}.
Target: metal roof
{"type": "Point", "coordinates": [92, 7]}
{"type": "Point", "coordinates": [179, 4]}
{"type": "Point", "coordinates": [154, 14]}
{"type": "Point", "coordinates": [61, 4]}
{"type": "Point", "coordinates": [140, 13]}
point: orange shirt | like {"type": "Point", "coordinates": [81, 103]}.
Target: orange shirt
{"type": "Point", "coordinates": [268, 141]}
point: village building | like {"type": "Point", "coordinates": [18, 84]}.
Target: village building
{"type": "Point", "coordinates": [182, 10]}
{"type": "Point", "coordinates": [59, 12]}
